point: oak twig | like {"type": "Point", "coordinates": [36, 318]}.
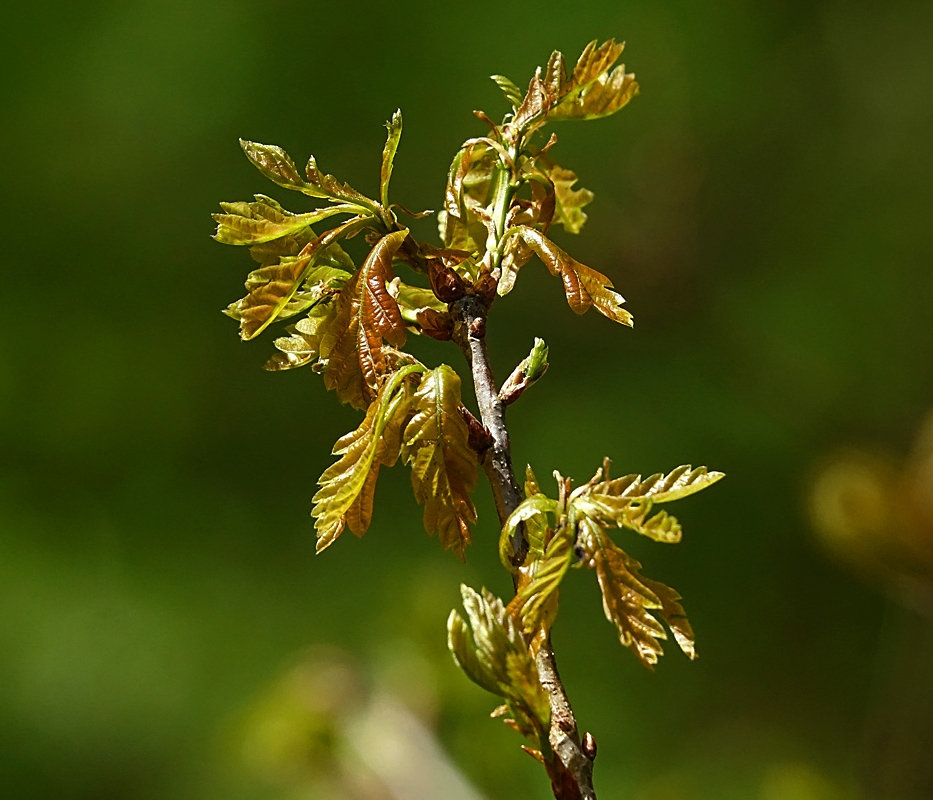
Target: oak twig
{"type": "Point", "coordinates": [571, 766]}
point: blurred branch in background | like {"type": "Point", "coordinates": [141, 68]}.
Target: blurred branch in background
{"type": "Point", "coordinates": [873, 513]}
{"type": "Point", "coordinates": [322, 731]}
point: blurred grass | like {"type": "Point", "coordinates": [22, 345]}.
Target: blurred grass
{"type": "Point", "coordinates": [764, 207]}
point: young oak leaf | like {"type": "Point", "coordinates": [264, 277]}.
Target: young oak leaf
{"type": "Point", "coordinates": [304, 344]}
{"type": "Point", "coordinates": [443, 466]}
{"type": "Point", "coordinates": [366, 315]}
{"type": "Point", "coordinates": [271, 289]}
{"type": "Point", "coordinates": [345, 498]}
{"type": "Point", "coordinates": [661, 488]}
{"type": "Point", "coordinates": [388, 156]}
{"type": "Point", "coordinates": [584, 287]}
{"type": "Point", "coordinates": [265, 220]}
{"type": "Point", "coordinates": [273, 162]}
{"type": "Point", "coordinates": [493, 652]}
{"type": "Point", "coordinates": [629, 599]}
{"type": "Point", "coordinates": [569, 201]}
{"type": "Point", "coordinates": [594, 89]}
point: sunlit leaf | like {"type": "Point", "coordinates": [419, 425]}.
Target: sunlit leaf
{"type": "Point", "coordinates": [628, 598]}
{"type": "Point", "coordinates": [443, 466]}
{"type": "Point", "coordinates": [536, 600]}
{"type": "Point", "coordinates": [273, 162]}
{"type": "Point", "coordinates": [494, 653]}
{"type": "Point", "coordinates": [345, 498]}
{"type": "Point", "coordinates": [388, 155]}
{"type": "Point", "coordinates": [594, 89]}
{"type": "Point", "coordinates": [265, 220]}
{"type": "Point", "coordinates": [531, 512]}
{"type": "Point", "coordinates": [584, 287]}
{"type": "Point", "coordinates": [512, 93]}
{"type": "Point", "coordinates": [304, 344]}
{"type": "Point", "coordinates": [366, 315]}
{"type": "Point", "coordinates": [271, 289]}
{"type": "Point", "coordinates": [569, 201]}
{"type": "Point", "coordinates": [661, 488]}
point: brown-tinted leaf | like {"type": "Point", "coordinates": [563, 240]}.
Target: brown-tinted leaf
{"type": "Point", "coordinates": [366, 315]}
{"type": "Point", "coordinates": [443, 467]}
{"type": "Point", "coordinates": [569, 201]}
{"type": "Point", "coordinates": [583, 286]}
{"type": "Point", "coordinates": [595, 89]}
{"type": "Point", "coordinates": [272, 288]}
{"type": "Point", "coordinates": [628, 598]}
{"type": "Point", "coordinates": [347, 486]}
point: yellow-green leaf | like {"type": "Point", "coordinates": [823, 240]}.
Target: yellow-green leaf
{"type": "Point", "coordinates": [347, 486]}
{"type": "Point", "coordinates": [443, 466]}
{"type": "Point", "coordinates": [388, 155]}
{"type": "Point", "coordinates": [272, 288]}
{"type": "Point", "coordinates": [494, 653]}
{"type": "Point", "coordinates": [265, 220]}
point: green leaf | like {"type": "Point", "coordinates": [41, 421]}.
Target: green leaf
{"type": "Point", "coordinates": [366, 315]}
{"type": "Point", "coordinates": [532, 512]}
{"type": "Point", "coordinates": [348, 486]}
{"type": "Point", "coordinates": [628, 598]}
{"type": "Point", "coordinates": [277, 166]}
{"type": "Point", "coordinates": [443, 466]}
{"type": "Point", "coordinates": [494, 653]}
{"type": "Point", "coordinates": [388, 155]}
{"type": "Point", "coordinates": [265, 220]}
{"type": "Point", "coordinates": [584, 287]}
{"type": "Point", "coordinates": [273, 162]}
{"type": "Point", "coordinates": [535, 603]}
{"type": "Point", "coordinates": [304, 344]}
{"type": "Point", "coordinates": [661, 488]}
{"type": "Point", "coordinates": [271, 289]}
{"type": "Point", "coordinates": [512, 93]}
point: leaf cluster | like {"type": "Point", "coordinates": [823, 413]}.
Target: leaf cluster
{"type": "Point", "coordinates": [350, 321]}
{"type": "Point", "coordinates": [573, 530]}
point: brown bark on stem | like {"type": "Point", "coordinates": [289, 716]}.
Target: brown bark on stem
{"type": "Point", "coordinates": [571, 772]}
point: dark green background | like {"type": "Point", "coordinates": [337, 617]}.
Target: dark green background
{"type": "Point", "coordinates": [765, 207]}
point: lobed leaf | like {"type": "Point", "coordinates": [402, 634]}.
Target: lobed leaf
{"type": "Point", "coordinates": [569, 201]}
{"type": "Point", "coordinates": [532, 513]}
{"type": "Point", "coordinates": [265, 220]}
{"type": "Point", "coordinates": [304, 344]}
{"type": "Point", "coordinates": [661, 488]}
{"type": "Point", "coordinates": [593, 90]}
{"type": "Point", "coordinates": [628, 598]}
{"type": "Point", "coordinates": [366, 315]}
{"type": "Point", "coordinates": [271, 289]}
{"type": "Point", "coordinates": [584, 287]}
{"type": "Point", "coordinates": [273, 162]}
{"type": "Point", "coordinates": [345, 498]}
{"type": "Point", "coordinates": [535, 602]}
{"type": "Point", "coordinates": [443, 466]}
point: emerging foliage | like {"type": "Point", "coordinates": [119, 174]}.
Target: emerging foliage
{"type": "Point", "coordinates": [350, 319]}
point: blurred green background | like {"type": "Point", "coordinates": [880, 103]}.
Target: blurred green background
{"type": "Point", "coordinates": [765, 207]}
